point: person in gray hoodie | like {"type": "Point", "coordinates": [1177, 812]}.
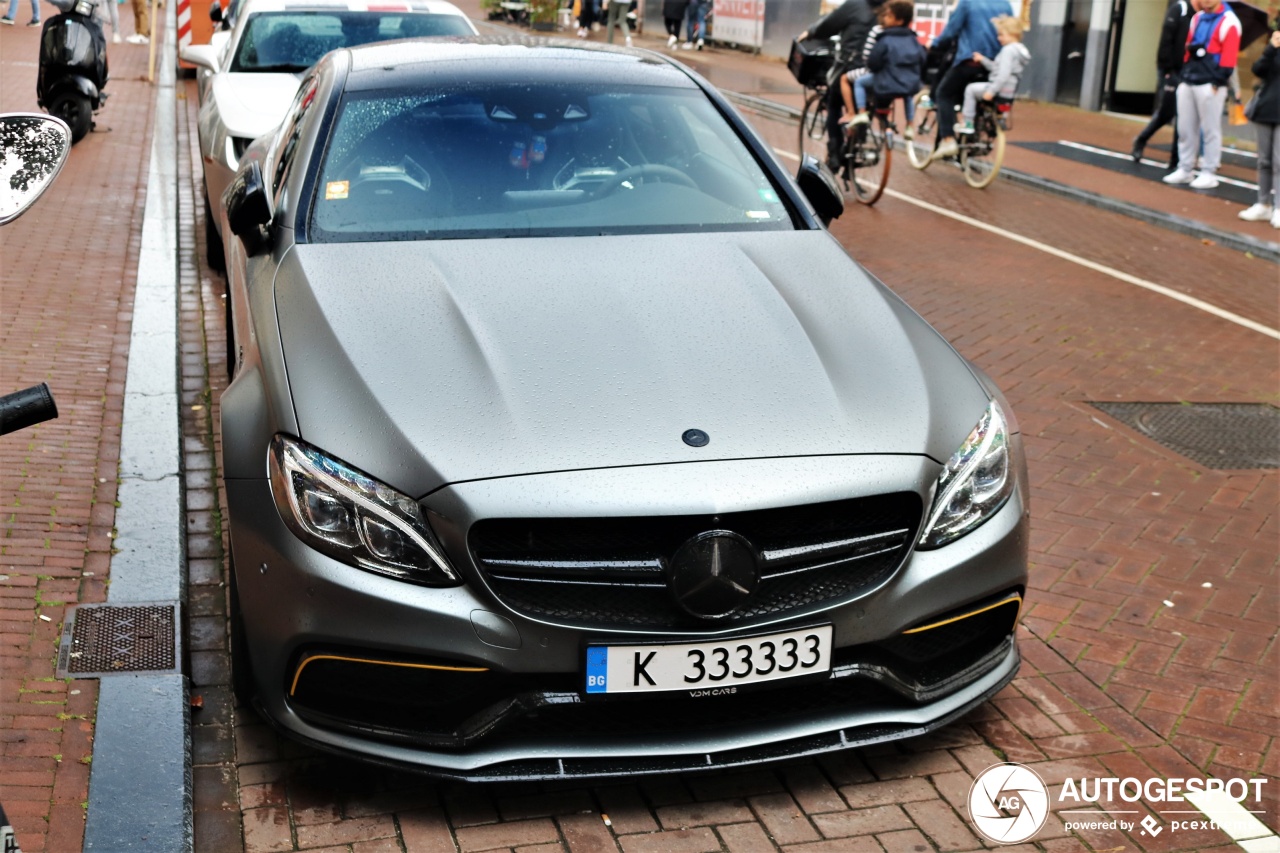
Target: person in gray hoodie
{"type": "Point", "coordinates": [1005, 70]}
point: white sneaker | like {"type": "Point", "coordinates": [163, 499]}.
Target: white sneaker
{"type": "Point", "coordinates": [628, 41]}
{"type": "Point", "coordinates": [687, 46]}
{"type": "Point", "coordinates": [1258, 213]}
{"type": "Point", "coordinates": [909, 134]}
{"type": "Point", "coordinates": [945, 149]}
{"type": "Point", "coordinates": [671, 41]}
{"type": "Point", "coordinates": [115, 38]}
{"type": "Point", "coordinates": [1275, 219]}
{"type": "Point", "coordinates": [1178, 176]}
{"type": "Point", "coordinates": [700, 43]}
{"type": "Point", "coordinates": [1205, 181]}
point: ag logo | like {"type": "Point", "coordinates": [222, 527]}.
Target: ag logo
{"type": "Point", "coordinates": [1008, 803]}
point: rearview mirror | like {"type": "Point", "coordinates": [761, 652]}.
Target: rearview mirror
{"type": "Point", "coordinates": [33, 148]}
{"type": "Point", "coordinates": [248, 208]}
{"type": "Point", "coordinates": [201, 55]}
{"type": "Point", "coordinates": [819, 186]}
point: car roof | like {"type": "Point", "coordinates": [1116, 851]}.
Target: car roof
{"type": "Point", "coordinates": [513, 59]}
{"type": "Point", "coordinates": [438, 7]}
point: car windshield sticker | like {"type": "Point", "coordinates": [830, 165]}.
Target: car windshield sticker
{"type": "Point", "coordinates": [598, 669]}
{"type": "Point", "coordinates": [336, 189]}
{"type": "Point", "coordinates": [757, 214]}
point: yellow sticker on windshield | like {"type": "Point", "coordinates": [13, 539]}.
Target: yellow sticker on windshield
{"type": "Point", "coordinates": [336, 189]}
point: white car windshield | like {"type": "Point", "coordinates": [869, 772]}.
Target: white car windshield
{"type": "Point", "coordinates": [294, 41]}
{"type": "Point", "coordinates": [552, 159]}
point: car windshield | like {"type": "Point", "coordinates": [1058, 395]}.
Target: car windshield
{"type": "Point", "coordinates": [553, 159]}
{"type": "Point", "coordinates": [294, 41]}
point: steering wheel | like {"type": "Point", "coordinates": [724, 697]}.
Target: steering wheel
{"type": "Point", "coordinates": [644, 170]}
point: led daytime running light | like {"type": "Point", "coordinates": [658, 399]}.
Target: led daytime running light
{"type": "Point", "coordinates": [959, 472]}
{"type": "Point", "coordinates": [293, 459]}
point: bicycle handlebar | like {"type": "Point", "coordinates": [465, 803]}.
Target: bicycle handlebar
{"type": "Point", "coordinates": [25, 408]}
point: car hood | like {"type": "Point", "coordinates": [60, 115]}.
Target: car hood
{"type": "Point", "coordinates": [432, 362]}
{"type": "Point", "coordinates": [249, 105]}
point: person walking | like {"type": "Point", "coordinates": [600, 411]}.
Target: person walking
{"type": "Point", "coordinates": [8, 18]}
{"type": "Point", "coordinates": [616, 14]}
{"type": "Point", "coordinates": [971, 25]}
{"type": "Point", "coordinates": [1213, 44]}
{"type": "Point", "coordinates": [673, 12]}
{"type": "Point", "coordinates": [852, 21]}
{"type": "Point", "coordinates": [1264, 112]}
{"type": "Point", "coordinates": [586, 17]}
{"type": "Point", "coordinates": [141, 23]}
{"type": "Point", "coordinates": [1173, 43]}
{"type": "Point", "coordinates": [695, 19]}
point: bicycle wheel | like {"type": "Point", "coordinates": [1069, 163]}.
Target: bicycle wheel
{"type": "Point", "coordinates": [813, 127]}
{"type": "Point", "coordinates": [980, 159]}
{"type": "Point", "coordinates": [869, 157]}
{"type": "Point", "coordinates": [918, 150]}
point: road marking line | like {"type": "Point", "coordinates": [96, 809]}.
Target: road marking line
{"type": "Point", "coordinates": [1118, 156]}
{"type": "Point", "coordinates": [1231, 817]}
{"type": "Point", "coordinates": [1076, 259]}
{"type": "Point", "coordinates": [1270, 844]}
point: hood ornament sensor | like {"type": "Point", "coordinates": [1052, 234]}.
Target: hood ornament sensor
{"type": "Point", "coordinates": [696, 438]}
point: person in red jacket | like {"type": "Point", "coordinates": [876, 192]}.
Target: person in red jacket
{"type": "Point", "coordinates": [1213, 42]}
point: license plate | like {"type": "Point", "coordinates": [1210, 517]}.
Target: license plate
{"type": "Point", "coordinates": [711, 665]}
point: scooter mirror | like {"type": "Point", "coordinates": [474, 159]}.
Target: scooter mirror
{"type": "Point", "coordinates": [33, 148]}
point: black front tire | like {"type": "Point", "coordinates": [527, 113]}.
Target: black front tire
{"type": "Point", "coordinates": [76, 111]}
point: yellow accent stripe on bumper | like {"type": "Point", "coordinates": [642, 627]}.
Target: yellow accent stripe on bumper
{"type": "Point", "coordinates": [293, 688]}
{"type": "Point", "coordinates": [1001, 603]}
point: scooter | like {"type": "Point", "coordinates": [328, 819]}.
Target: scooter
{"type": "Point", "coordinates": [73, 66]}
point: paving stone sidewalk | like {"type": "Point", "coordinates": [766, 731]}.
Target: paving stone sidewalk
{"type": "Point", "coordinates": [67, 273]}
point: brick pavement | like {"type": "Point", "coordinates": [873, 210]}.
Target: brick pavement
{"type": "Point", "coordinates": [1114, 682]}
{"type": "Point", "coordinates": [66, 291]}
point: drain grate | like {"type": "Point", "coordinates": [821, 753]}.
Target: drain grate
{"type": "Point", "coordinates": [1216, 435]}
{"type": "Point", "coordinates": [106, 639]}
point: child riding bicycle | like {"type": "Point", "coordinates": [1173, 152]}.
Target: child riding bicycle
{"type": "Point", "coordinates": [894, 62]}
{"type": "Point", "coordinates": [1006, 69]}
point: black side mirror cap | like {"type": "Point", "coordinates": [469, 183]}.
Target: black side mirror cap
{"type": "Point", "coordinates": [819, 186]}
{"type": "Point", "coordinates": [215, 12]}
{"type": "Point", "coordinates": [248, 208]}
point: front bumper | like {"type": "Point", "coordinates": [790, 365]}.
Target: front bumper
{"type": "Point", "coordinates": [307, 617]}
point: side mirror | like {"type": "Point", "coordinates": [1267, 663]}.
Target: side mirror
{"type": "Point", "coordinates": [819, 186]}
{"type": "Point", "coordinates": [215, 12]}
{"type": "Point", "coordinates": [248, 208]}
{"type": "Point", "coordinates": [200, 55]}
{"type": "Point", "coordinates": [33, 148]}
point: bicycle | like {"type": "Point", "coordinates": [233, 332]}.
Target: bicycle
{"type": "Point", "coordinates": [980, 153]}
{"type": "Point", "coordinates": [868, 153]}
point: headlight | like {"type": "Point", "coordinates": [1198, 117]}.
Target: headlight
{"type": "Point", "coordinates": [974, 485]}
{"type": "Point", "coordinates": [353, 518]}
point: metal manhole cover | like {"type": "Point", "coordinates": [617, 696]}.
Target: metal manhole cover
{"type": "Point", "coordinates": [105, 639]}
{"type": "Point", "coordinates": [1216, 435]}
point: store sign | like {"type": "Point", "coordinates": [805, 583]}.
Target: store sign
{"type": "Point", "coordinates": [739, 22]}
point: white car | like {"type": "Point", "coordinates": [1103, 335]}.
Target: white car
{"type": "Point", "coordinates": [249, 76]}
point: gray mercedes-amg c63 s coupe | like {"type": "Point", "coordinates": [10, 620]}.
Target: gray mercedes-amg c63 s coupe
{"type": "Point", "coordinates": [564, 440]}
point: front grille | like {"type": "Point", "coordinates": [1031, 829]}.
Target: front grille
{"type": "Point", "coordinates": [606, 573]}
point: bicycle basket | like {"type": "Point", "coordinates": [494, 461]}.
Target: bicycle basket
{"type": "Point", "coordinates": [810, 61]}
